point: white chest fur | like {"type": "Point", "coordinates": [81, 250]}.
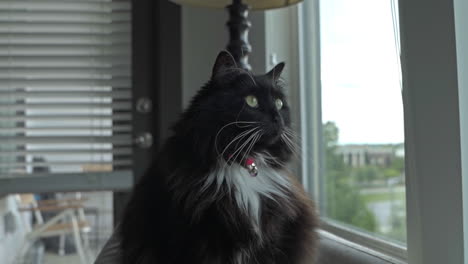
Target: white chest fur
{"type": "Point", "coordinates": [248, 190]}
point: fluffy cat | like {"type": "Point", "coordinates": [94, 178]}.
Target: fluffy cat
{"type": "Point", "coordinates": [218, 191]}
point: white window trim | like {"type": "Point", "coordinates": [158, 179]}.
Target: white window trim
{"type": "Point", "coordinates": [366, 242]}
{"type": "Point", "coordinates": [359, 248]}
{"type": "Point", "coordinates": [434, 56]}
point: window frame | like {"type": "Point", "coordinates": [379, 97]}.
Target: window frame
{"type": "Point", "coordinates": [434, 32]}
{"type": "Point", "coordinates": [313, 163]}
{"type": "Point", "coordinates": [434, 55]}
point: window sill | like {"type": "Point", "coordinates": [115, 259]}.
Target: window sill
{"type": "Point", "coordinates": [334, 249]}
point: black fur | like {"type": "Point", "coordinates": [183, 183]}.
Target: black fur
{"type": "Point", "coordinates": [169, 219]}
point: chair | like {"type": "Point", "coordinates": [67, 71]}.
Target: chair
{"type": "Point", "coordinates": [70, 219]}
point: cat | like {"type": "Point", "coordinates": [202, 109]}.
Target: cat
{"type": "Point", "coordinates": [219, 190]}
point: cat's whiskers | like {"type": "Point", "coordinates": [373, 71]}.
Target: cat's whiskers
{"type": "Point", "coordinates": [238, 138]}
{"type": "Point", "coordinates": [296, 145]}
{"type": "Point", "coordinates": [227, 163]}
{"type": "Point", "coordinates": [239, 149]}
{"type": "Point", "coordinates": [237, 144]}
{"type": "Point", "coordinates": [249, 149]}
{"type": "Point", "coordinates": [268, 157]}
{"type": "Point", "coordinates": [236, 153]}
{"type": "Point", "coordinates": [292, 134]}
{"type": "Point", "coordinates": [233, 156]}
{"type": "Point", "coordinates": [249, 123]}
{"type": "Point", "coordinates": [291, 145]}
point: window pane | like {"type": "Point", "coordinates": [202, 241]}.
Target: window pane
{"type": "Point", "coordinates": [362, 114]}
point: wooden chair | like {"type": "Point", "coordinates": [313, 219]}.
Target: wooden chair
{"type": "Point", "coordinates": [70, 219]}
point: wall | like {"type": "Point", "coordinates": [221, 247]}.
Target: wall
{"type": "Point", "coordinates": [204, 35]}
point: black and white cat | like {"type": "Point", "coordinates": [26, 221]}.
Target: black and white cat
{"type": "Point", "coordinates": [218, 191]}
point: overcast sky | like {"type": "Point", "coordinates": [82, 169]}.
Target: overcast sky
{"type": "Point", "coordinates": [360, 78]}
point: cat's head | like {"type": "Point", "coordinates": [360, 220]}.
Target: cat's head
{"type": "Point", "coordinates": [238, 115]}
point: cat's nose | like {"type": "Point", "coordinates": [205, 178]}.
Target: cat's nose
{"type": "Point", "coordinates": [278, 120]}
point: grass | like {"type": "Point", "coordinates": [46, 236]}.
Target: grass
{"type": "Point", "coordinates": [383, 196]}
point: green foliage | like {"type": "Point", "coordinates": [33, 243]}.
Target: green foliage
{"type": "Point", "coordinates": [391, 173]}
{"type": "Point", "coordinates": [343, 183]}
{"type": "Point", "coordinates": [343, 200]}
{"type": "Point", "coordinates": [366, 174]}
{"type": "Point", "coordinates": [398, 164]}
{"type": "Point", "coordinates": [398, 221]}
{"type": "Point", "coordinates": [346, 205]}
{"type": "Point", "coordinates": [330, 134]}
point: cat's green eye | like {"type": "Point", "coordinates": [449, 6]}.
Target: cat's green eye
{"type": "Point", "coordinates": [279, 104]}
{"type": "Point", "coordinates": [251, 101]}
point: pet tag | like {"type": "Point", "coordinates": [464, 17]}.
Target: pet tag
{"type": "Point", "coordinates": [251, 167]}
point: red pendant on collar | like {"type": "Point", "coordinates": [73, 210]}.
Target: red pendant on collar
{"type": "Point", "coordinates": [251, 166]}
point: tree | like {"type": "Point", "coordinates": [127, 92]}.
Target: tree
{"type": "Point", "coordinates": [343, 200]}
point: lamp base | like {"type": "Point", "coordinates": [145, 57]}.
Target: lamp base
{"type": "Point", "coordinates": [239, 26]}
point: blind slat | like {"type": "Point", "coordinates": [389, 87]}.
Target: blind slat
{"type": "Point", "coordinates": [119, 94]}
{"type": "Point", "coordinates": [65, 83]}
{"type": "Point", "coordinates": [59, 106]}
{"type": "Point", "coordinates": [64, 39]}
{"type": "Point", "coordinates": [81, 6]}
{"type": "Point", "coordinates": [64, 117]}
{"type": "Point", "coordinates": [67, 28]}
{"type": "Point", "coordinates": [64, 61]}
{"type": "Point", "coordinates": [63, 16]}
{"type": "Point", "coordinates": [63, 73]}
{"type": "Point", "coordinates": [127, 162]}
{"type": "Point", "coordinates": [117, 139]}
{"type": "Point", "coordinates": [61, 50]}
{"type": "Point", "coordinates": [120, 151]}
{"type": "Point", "coordinates": [61, 130]}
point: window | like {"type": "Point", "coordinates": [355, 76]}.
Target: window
{"type": "Point", "coordinates": [352, 121]}
{"type": "Point", "coordinates": [362, 116]}
{"type": "Point", "coordinates": [433, 59]}
{"type": "Point", "coordinates": [65, 95]}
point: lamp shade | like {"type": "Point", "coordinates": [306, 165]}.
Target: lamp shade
{"type": "Point", "coordinates": [253, 4]}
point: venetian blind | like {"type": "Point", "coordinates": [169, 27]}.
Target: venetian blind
{"type": "Point", "coordinates": [65, 95]}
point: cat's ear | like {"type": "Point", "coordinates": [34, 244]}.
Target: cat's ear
{"type": "Point", "coordinates": [275, 73]}
{"type": "Point", "coordinates": [223, 62]}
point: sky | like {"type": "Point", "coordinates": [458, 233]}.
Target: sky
{"type": "Point", "coordinates": [361, 89]}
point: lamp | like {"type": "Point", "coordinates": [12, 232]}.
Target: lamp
{"type": "Point", "coordinates": [238, 24]}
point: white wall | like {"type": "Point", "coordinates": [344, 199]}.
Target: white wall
{"type": "Point", "coordinates": [204, 35]}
